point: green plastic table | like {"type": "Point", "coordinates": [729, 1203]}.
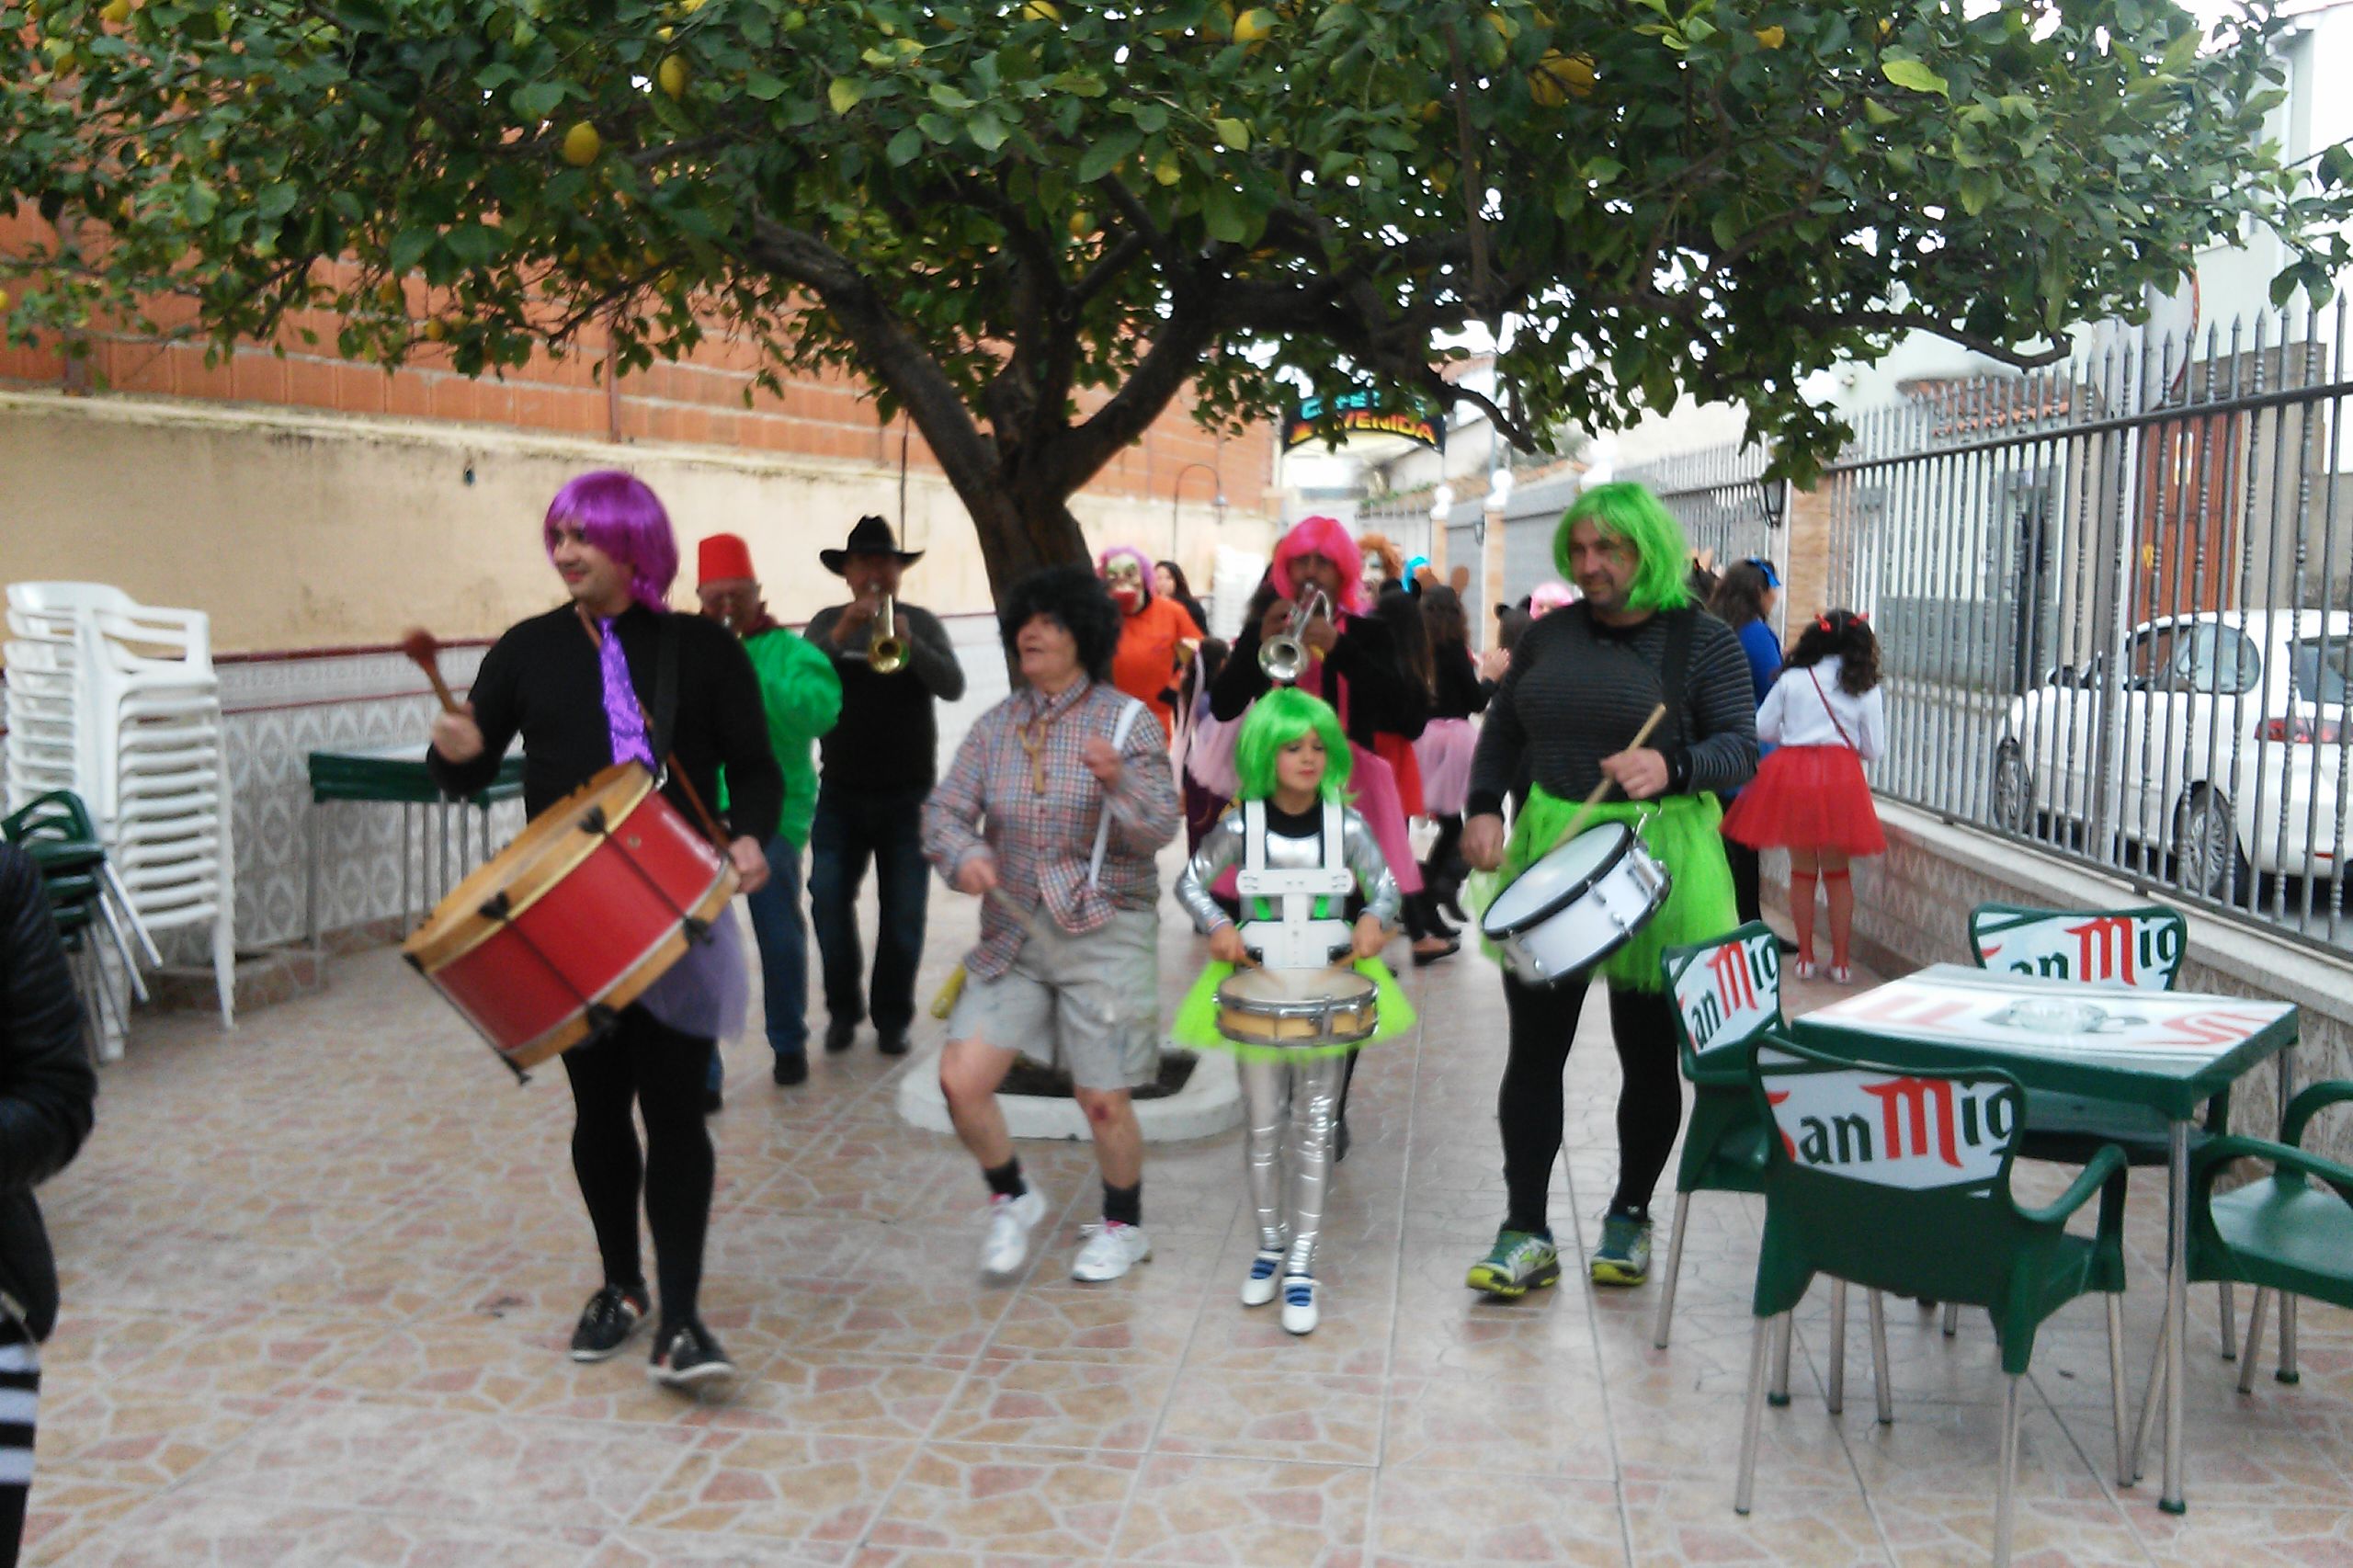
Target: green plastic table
{"type": "Point", "coordinates": [397, 775]}
{"type": "Point", "coordinates": [2170, 1050]}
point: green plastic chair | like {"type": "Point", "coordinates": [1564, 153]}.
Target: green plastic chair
{"type": "Point", "coordinates": [2141, 947]}
{"type": "Point", "coordinates": [2292, 1231]}
{"type": "Point", "coordinates": [1725, 993]}
{"type": "Point", "coordinates": [1899, 1181]}
{"type": "Point", "coordinates": [55, 832]}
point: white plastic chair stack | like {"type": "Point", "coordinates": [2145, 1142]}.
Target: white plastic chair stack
{"type": "Point", "coordinates": [118, 701]}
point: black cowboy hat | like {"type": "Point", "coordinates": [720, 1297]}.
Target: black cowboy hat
{"type": "Point", "coordinates": [872, 536]}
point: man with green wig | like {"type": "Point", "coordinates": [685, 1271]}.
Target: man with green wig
{"type": "Point", "coordinates": [1582, 684]}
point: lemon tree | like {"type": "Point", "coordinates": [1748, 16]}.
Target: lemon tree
{"type": "Point", "coordinates": [1031, 224]}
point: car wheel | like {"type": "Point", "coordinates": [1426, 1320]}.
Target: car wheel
{"type": "Point", "coordinates": [2205, 846]}
{"type": "Point", "coordinates": [2013, 789]}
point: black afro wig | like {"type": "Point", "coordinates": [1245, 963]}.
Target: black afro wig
{"type": "Point", "coordinates": [1074, 596]}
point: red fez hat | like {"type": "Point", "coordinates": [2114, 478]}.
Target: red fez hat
{"type": "Point", "coordinates": [723, 556]}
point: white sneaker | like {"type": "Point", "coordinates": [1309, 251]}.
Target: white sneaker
{"type": "Point", "coordinates": [1842, 975]}
{"type": "Point", "coordinates": [1259, 1285]}
{"type": "Point", "coordinates": [1010, 1222]}
{"type": "Point", "coordinates": [1300, 1293]}
{"type": "Point", "coordinates": [1807, 969]}
{"type": "Point", "coordinates": [1110, 1251]}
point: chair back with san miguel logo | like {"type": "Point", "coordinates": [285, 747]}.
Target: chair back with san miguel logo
{"type": "Point", "coordinates": [1726, 992]}
{"type": "Point", "coordinates": [1890, 1178]}
{"type": "Point", "coordinates": [2142, 948]}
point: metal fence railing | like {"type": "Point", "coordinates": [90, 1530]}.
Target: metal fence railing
{"type": "Point", "coordinates": [2114, 609]}
{"type": "Point", "coordinates": [1720, 495]}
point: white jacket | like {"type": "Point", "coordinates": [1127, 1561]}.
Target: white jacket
{"type": "Point", "coordinates": [1795, 715]}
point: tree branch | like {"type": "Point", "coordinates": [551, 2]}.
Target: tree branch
{"type": "Point", "coordinates": [1176, 353]}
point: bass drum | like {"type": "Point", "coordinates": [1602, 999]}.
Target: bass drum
{"type": "Point", "coordinates": [1577, 905]}
{"type": "Point", "coordinates": [593, 901]}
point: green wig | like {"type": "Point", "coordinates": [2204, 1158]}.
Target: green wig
{"type": "Point", "coordinates": [1276, 720]}
{"type": "Point", "coordinates": [1624, 510]}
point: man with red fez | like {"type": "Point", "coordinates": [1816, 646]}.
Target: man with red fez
{"type": "Point", "coordinates": [802, 698]}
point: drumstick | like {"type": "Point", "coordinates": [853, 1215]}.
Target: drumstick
{"type": "Point", "coordinates": [1586, 810]}
{"type": "Point", "coordinates": [425, 651]}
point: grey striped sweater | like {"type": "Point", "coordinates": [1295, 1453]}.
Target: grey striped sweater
{"type": "Point", "coordinates": [1577, 692]}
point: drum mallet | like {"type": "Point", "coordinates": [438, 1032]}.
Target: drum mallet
{"type": "Point", "coordinates": [425, 651]}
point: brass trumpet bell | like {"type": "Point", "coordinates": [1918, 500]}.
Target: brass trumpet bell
{"type": "Point", "coordinates": [886, 651]}
{"type": "Point", "coordinates": [1285, 656]}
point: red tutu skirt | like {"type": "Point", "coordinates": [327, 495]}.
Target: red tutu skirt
{"type": "Point", "coordinates": [1807, 797]}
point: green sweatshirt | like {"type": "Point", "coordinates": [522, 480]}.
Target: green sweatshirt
{"type": "Point", "coordinates": [803, 697]}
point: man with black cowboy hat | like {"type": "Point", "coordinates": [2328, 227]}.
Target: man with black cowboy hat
{"type": "Point", "coordinates": [879, 763]}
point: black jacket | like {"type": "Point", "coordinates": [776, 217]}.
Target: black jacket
{"type": "Point", "coordinates": [545, 680]}
{"type": "Point", "coordinates": [47, 1089]}
{"type": "Point", "coordinates": [1382, 698]}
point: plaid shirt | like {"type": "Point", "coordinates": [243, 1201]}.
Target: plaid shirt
{"type": "Point", "coordinates": [1042, 842]}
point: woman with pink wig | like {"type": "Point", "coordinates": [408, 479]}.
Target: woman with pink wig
{"type": "Point", "coordinates": [1156, 632]}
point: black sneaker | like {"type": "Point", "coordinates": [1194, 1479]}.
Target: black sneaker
{"type": "Point", "coordinates": [789, 1070]}
{"type": "Point", "coordinates": [713, 1102]}
{"type": "Point", "coordinates": [893, 1043]}
{"type": "Point", "coordinates": [1340, 1141]}
{"type": "Point", "coordinates": [687, 1357]}
{"type": "Point", "coordinates": [608, 1320]}
{"type": "Point", "coordinates": [840, 1035]}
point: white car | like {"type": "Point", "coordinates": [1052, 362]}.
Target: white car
{"type": "Point", "coordinates": [2225, 736]}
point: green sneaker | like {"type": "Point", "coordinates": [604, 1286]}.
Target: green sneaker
{"type": "Point", "coordinates": [1520, 1261]}
{"type": "Point", "coordinates": [1624, 1255]}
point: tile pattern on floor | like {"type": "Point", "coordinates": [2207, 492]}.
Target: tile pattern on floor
{"type": "Point", "coordinates": [319, 1275]}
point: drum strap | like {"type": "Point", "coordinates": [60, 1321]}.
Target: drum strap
{"type": "Point", "coordinates": [664, 720]}
{"type": "Point", "coordinates": [1126, 722]}
{"type": "Point", "coordinates": [1682, 629]}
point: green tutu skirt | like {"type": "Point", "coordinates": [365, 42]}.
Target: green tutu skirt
{"type": "Point", "coordinates": [1680, 830]}
{"type": "Point", "coordinates": [1195, 1026]}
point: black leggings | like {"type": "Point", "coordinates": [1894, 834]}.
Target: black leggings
{"type": "Point", "coordinates": [1650, 1105]}
{"type": "Point", "coordinates": [1444, 868]}
{"type": "Point", "coordinates": [1746, 881]}
{"type": "Point", "coordinates": [663, 1072]}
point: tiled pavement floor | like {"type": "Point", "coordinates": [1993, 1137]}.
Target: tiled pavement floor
{"type": "Point", "coordinates": [319, 1275]}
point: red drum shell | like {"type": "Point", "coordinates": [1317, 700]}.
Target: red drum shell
{"type": "Point", "coordinates": [592, 915]}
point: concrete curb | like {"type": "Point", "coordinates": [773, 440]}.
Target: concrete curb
{"type": "Point", "coordinates": [1208, 1104]}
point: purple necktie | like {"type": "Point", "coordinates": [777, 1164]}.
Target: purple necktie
{"type": "Point", "coordinates": [623, 715]}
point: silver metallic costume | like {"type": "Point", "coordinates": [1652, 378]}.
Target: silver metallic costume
{"type": "Point", "coordinates": [1304, 1094]}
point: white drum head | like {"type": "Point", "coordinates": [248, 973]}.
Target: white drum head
{"type": "Point", "coordinates": [1278, 986]}
{"type": "Point", "coordinates": [1556, 879]}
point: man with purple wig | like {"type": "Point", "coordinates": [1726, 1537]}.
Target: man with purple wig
{"type": "Point", "coordinates": [613, 676]}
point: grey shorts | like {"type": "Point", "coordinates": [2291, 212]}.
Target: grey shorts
{"type": "Point", "coordinates": [1090, 1004]}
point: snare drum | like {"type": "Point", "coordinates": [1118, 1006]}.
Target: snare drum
{"type": "Point", "coordinates": [1577, 905]}
{"type": "Point", "coordinates": [568, 924]}
{"type": "Point", "coordinates": [1296, 1007]}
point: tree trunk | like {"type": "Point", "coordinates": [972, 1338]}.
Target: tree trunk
{"type": "Point", "coordinates": [1016, 539]}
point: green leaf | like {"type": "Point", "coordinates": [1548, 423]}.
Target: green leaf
{"type": "Point", "coordinates": [1878, 113]}
{"type": "Point", "coordinates": [1232, 133]}
{"type": "Point", "coordinates": [987, 130]}
{"type": "Point", "coordinates": [538, 100]}
{"type": "Point", "coordinates": [767, 89]}
{"type": "Point", "coordinates": [844, 94]}
{"type": "Point", "coordinates": [1152, 118]}
{"type": "Point", "coordinates": [1979, 190]}
{"type": "Point", "coordinates": [1913, 74]}
{"type": "Point", "coordinates": [949, 97]}
{"type": "Point", "coordinates": [904, 148]}
{"type": "Point", "coordinates": [1102, 156]}
{"type": "Point", "coordinates": [1223, 213]}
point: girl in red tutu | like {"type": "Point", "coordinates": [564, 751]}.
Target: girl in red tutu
{"type": "Point", "coordinates": [1809, 797]}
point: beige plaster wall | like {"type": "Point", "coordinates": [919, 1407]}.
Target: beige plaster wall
{"type": "Point", "coordinates": [296, 531]}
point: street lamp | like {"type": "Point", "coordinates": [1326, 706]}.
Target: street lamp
{"type": "Point", "coordinates": [1176, 496]}
{"type": "Point", "coordinates": [1773, 499]}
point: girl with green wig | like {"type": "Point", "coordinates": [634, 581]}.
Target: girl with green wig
{"type": "Point", "coordinates": [1291, 819]}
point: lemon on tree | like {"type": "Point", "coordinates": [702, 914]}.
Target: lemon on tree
{"type": "Point", "coordinates": [1041, 11]}
{"type": "Point", "coordinates": [1558, 76]}
{"type": "Point", "coordinates": [671, 74]}
{"type": "Point", "coordinates": [582, 146]}
{"type": "Point", "coordinates": [1254, 26]}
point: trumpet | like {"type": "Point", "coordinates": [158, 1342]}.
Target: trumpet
{"type": "Point", "coordinates": [1284, 656]}
{"type": "Point", "coordinates": [886, 651]}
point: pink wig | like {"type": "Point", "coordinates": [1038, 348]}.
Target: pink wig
{"type": "Point", "coordinates": [1129, 551]}
{"type": "Point", "coordinates": [1550, 597]}
{"type": "Point", "coordinates": [620, 515]}
{"type": "Point", "coordinates": [1327, 538]}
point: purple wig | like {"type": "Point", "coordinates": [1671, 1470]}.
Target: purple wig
{"type": "Point", "coordinates": [1330, 539]}
{"type": "Point", "coordinates": [620, 515]}
{"type": "Point", "coordinates": [1129, 551]}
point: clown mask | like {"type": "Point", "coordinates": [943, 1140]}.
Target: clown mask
{"type": "Point", "coordinates": [1124, 578]}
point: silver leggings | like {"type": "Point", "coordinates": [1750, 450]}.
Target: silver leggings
{"type": "Point", "coordinates": [1307, 1093]}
